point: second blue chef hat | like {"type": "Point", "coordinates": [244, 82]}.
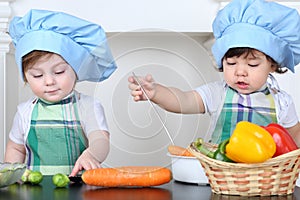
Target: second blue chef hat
{"type": "Point", "coordinates": [269, 27]}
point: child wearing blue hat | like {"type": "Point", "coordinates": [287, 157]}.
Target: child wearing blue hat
{"type": "Point", "coordinates": [59, 130]}
{"type": "Point", "coordinates": [253, 39]}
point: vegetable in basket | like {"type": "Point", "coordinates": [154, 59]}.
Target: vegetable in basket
{"type": "Point", "coordinates": [179, 151]}
{"type": "Point", "coordinates": [284, 141]}
{"type": "Point", "coordinates": [218, 154]}
{"type": "Point", "coordinates": [250, 143]}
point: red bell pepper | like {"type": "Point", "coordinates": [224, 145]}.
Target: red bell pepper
{"type": "Point", "coordinates": [284, 141]}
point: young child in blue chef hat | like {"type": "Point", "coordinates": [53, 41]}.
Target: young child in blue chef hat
{"type": "Point", "coordinates": [253, 39]}
{"type": "Point", "coordinates": [59, 130]}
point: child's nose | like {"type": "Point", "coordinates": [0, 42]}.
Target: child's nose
{"type": "Point", "coordinates": [49, 80]}
{"type": "Point", "coordinates": [241, 70]}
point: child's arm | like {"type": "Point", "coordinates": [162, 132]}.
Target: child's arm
{"type": "Point", "coordinates": [15, 153]}
{"type": "Point", "coordinates": [295, 133]}
{"type": "Point", "coordinates": [169, 98]}
{"type": "Point", "coordinates": [95, 154]}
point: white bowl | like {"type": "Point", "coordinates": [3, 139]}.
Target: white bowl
{"type": "Point", "coordinates": [188, 170]}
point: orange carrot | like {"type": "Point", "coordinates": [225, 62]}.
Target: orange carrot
{"type": "Point", "coordinates": [179, 151]}
{"type": "Point", "coordinates": [127, 176]}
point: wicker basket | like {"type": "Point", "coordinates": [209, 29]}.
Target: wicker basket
{"type": "Point", "coordinates": [276, 176]}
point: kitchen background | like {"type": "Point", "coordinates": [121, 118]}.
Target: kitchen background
{"type": "Point", "coordinates": [169, 39]}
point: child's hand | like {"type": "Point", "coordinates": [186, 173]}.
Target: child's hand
{"type": "Point", "coordinates": [85, 162]}
{"type": "Point", "coordinates": [136, 92]}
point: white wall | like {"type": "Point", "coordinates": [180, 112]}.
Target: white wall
{"type": "Point", "coordinates": [173, 58]}
{"type": "Point", "coordinates": [137, 137]}
{"type": "Point", "coordinates": [114, 16]}
{"type": "Point", "coordinates": [119, 16]}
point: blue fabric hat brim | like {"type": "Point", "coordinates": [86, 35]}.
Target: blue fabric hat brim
{"type": "Point", "coordinates": [43, 40]}
{"type": "Point", "coordinates": [82, 44]}
{"type": "Point", "coordinates": [252, 36]}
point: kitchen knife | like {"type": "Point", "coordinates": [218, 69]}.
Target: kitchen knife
{"type": "Point", "coordinates": [75, 179]}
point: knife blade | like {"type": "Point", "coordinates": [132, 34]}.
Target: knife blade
{"type": "Point", "coordinates": [76, 179]}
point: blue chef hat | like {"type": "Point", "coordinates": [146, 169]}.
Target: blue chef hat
{"type": "Point", "coordinates": [81, 43]}
{"type": "Point", "coordinates": [266, 26]}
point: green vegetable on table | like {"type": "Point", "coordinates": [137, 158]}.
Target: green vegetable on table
{"type": "Point", "coordinates": [33, 177]}
{"type": "Point", "coordinates": [60, 180]}
{"type": "Point", "coordinates": [24, 177]}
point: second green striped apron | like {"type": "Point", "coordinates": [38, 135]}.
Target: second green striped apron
{"type": "Point", "coordinates": [258, 108]}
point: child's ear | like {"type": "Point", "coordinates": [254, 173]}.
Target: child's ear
{"type": "Point", "coordinates": [273, 67]}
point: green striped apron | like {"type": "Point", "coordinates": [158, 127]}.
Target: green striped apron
{"type": "Point", "coordinates": [55, 139]}
{"type": "Point", "coordinates": [257, 107]}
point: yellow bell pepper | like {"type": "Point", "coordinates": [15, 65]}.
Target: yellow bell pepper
{"type": "Point", "coordinates": [250, 143]}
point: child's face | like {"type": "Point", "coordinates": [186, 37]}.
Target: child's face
{"type": "Point", "coordinates": [247, 74]}
{"type": "Point", "coordinates": [51, 78]}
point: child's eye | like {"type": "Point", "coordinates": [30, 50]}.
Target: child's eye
{"type": "Point", "coordinates": [253, 65]}
{"type": "Point", "coordinates": [37, 76]}
{"type": "Point", "coordinates": [231, 63]}
{"type": "Point", "coordinates": [59, 72]}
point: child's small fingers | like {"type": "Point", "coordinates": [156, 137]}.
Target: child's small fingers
{"type": "Point", "coordinates": [131, 79]}
{"type": "Point", "coordinates": [149, 78]}
{"type": "Point", "coordinates": [95, 165]}
{"type": "Point", "coordinates": [91, 164]}
{"type": "Point", "coordinates": [133, 86]}
{"type": "Point", "coordinates": [136, 93]}
{"type": "Point", "coordinates": [75, 170]}
{"type": "Point", "coordinates": [136, 98]}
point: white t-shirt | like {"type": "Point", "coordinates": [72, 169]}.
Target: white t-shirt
{"type": "Point", "coordinates": [213, 95]}
{"type": "Point", "coordinates": [91, 114]}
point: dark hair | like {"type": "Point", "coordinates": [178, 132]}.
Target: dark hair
{"type": "Point", "coordinates": [246, 50]}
